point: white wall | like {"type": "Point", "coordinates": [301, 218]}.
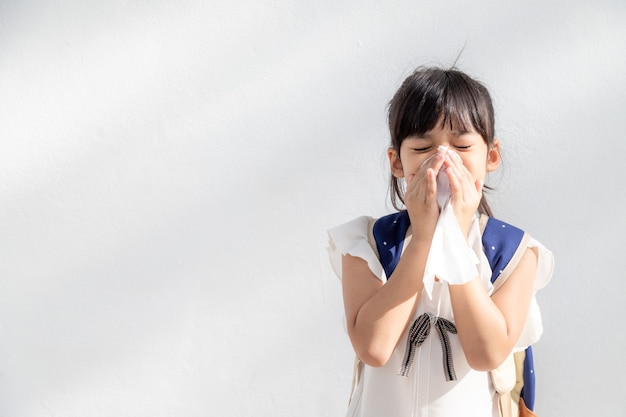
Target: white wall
{"type": "Point", "coordinates": [168, 171]}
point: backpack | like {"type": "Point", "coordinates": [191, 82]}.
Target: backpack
{"type": "Point", "coordinates": [500, 242]}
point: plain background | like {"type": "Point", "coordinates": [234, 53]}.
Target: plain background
{"type": "Point", "coordinates": [168, 171]}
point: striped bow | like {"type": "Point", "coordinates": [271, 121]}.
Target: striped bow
{"type": "Point", "coordinates": [419, 333]}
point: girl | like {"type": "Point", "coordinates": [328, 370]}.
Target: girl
{"type": "Point", "coordinates": [426, 322]}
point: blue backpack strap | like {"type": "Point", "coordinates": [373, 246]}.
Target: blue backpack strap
{"type": "Point", "coordinates": [389, 233]}
{"type": "Point", "coordinates": [528, 389]}
{"type": "Point", "coordinates": [500, 242]}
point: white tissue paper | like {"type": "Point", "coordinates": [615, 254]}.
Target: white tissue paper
{"type": "Point", "coordinates": [443, 184]}
{"type": "Point", "coordinates": [451, 258]}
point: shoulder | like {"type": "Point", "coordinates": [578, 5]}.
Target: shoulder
{"type": "Point", "coordinates": [505, 245]}
{"type": "Point", "coordinates": [389, 233]}
{"type": "Point", "coordinates": [393, 220]}
{"type": "Point", "coordinates": [391, 228]}
{"type": "Point", "coordinates": [497, 227]}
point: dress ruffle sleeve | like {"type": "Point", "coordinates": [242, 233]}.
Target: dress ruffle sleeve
{"type": "Point", "coordinates": [351, 238]}
{"type": "Point", "coordinates": [533, 328]}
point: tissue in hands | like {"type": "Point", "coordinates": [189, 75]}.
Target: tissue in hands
{"type": "Point", "coordinates": [451, 258]}
{"type": "Point", "coordinates": [443, 184]}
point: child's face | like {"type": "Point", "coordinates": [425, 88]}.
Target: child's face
{"type": "Point", "coordinates": [470, 146]}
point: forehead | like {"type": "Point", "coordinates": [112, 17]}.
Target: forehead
{"type": "Point", "coordinates": [456, 120]}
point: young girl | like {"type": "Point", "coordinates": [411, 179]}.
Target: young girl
{"type": "Point", "coordinates": [426, 322]}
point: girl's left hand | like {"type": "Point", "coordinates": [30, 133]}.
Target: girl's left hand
{"type": "Point", "coordinates": [465, 190]}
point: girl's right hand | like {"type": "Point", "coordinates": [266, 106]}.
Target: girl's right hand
{"type": "Point", "coordinates": [420, 197]}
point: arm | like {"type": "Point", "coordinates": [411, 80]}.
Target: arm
{"type": "Point", "coordinates": [488, 327]}
{"type": "Point", "coordinates": [378, 314]}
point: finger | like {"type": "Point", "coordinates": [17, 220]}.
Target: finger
{"type": "Point", "coordinates": [415, 185]}
{"type": "Point", "coordinates": [419, 180]}
{"type": "Point", "coordinates": [453, 159]}
{"type": "Point", "coordinates": [464, 177]}
{"type": "Point", "coordinates": [434, 161]}
{"type": "Point", "coordinates": [456, 187]}
{"type": "Point", "coordinates": [455, 156]}
{"type": "Point", "coordinates": [420, 185]}
{"type": "Point", "coordinates": [431, 189]}
{"type": "Point", "coordinates": [438, 162]}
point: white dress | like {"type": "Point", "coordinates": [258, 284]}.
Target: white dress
{"type": "Point", "coordinates": [425, 391]}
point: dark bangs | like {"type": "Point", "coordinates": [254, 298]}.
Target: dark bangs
{"type": "Point", "coordinates": [432, 95]}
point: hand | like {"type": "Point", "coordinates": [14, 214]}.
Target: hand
{"type": "Point", "coordinates": [466, 191]}
{"type": "Point", "coordinates": [420, 198]}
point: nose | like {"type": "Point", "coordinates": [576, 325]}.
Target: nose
{"type": "Point", "coordinates": [441, 150]}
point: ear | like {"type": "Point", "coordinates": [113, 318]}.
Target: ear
{"type": "Point", "coordinates": [395, 163]}
{"type": "Point", "coordinates": [493, 156]}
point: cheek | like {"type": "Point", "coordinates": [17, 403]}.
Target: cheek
{"type": "Point", "coordinates": [411, 162]}
{"type": "Point", "coordinates": [416, 164]}
{"type": "Point", "coordinates": [480, 174]}
{"type": "Point", "coordinates": [475, 167]}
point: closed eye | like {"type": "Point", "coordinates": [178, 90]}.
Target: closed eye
{"type": "Point", "coordinates": [421, 150]}
{"type": "Point", "coordinates": [462, 148]}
